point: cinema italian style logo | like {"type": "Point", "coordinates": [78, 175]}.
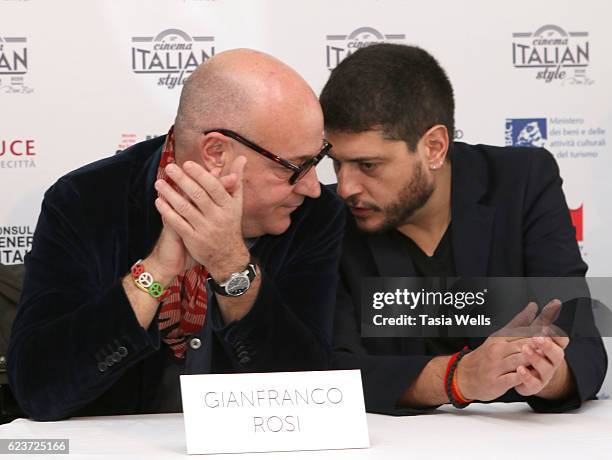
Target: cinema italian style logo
{"type": "Point", "coordinates": [341, 46]}
{"type": "Point", "coordinates": [14, 65]}
{"type": "Point", "coordinates": [170, 56]}
{"type": "Point", "coordinates": [553, 54]}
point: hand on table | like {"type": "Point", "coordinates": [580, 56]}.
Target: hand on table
{"type": "Point", "coordinates": [520, 355]}
{"type": "Point", "coordinates": [545, 357]}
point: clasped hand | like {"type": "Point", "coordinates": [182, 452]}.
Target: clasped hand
{"type": "Point", "coordinates": [525, 355]}
{"type": "Point", "coordinates": [202, 217]}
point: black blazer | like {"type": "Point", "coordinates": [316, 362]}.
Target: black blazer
{"type": "Point", "coordinates": [509, 218]}
{"type": "Point", "coordinates": [73, 315]}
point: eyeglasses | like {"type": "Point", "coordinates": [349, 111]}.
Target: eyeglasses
{"type": "Point", "coordinates": [298, 171]}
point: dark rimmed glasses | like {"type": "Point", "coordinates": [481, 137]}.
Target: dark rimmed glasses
{"type": "Point", "coordinates": [298, 171]}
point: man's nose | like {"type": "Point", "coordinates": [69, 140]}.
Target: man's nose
{"type": "Point", "coordinates": [309, 185]}
{"type": "Point", "coordinates": [347, 184]}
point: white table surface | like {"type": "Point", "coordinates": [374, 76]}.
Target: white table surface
{"type": "Point", "coordinates": [481, 431]}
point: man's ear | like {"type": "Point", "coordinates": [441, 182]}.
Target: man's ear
{"type": "Point", "coordinates": [215, 149]}
{"type": "Point", "coordinates": [436, 143]}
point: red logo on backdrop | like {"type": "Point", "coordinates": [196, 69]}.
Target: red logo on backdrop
{"type": "Point", "coordinates": [17, 148]}
{"type": "Point", "coordinates": [576, 215]}
{"type": "Point", "coordinates": [127, 140]}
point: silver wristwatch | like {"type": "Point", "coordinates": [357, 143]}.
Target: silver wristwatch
{"type": "Point", "coordinates": [237, 284]}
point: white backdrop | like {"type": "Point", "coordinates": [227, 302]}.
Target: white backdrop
{"type": "Point", "coordinates": [81, 79]}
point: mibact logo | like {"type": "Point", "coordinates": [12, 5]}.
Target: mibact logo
{"type": "Point", "coordinates": [526, 132]}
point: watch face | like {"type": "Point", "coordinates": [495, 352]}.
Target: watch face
{"type": "Point", "coordinates": [238, 284]}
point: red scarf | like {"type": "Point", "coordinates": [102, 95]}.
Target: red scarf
{"type": "Point", "coordinates": [184, 309]}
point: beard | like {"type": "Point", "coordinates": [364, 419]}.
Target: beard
{"type": "Point", "coordinates": [412, 197]}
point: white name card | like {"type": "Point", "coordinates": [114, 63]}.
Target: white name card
{"type": "Point", "coordinates": [280, 411]}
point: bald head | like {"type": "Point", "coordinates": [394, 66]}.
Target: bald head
{"type": "Point", "coordinates": [243, 90]}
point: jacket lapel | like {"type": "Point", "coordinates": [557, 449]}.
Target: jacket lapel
{"type": "Point", "coordinates": [145, 223]}
{"type": "Point", "coordinates": [472, 221]}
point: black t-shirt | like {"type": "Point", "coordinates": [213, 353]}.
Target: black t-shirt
{"type": "Point", "coordinates": [440, 265]}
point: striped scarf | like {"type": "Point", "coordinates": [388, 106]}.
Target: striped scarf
{"type": "Point", "coordinates": [184, 309]}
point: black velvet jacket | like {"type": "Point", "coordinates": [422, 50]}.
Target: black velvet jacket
{"type": "Point", "coordinates": [74, 315]}
{"type": "Point", "coordinates": [509, 219]}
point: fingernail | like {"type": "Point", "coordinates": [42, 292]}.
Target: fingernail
{"type": "Point", "coordinates": [539, 339]}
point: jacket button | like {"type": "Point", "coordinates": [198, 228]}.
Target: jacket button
{"type": "Point", "coordinates": [195, 343]}
{"type": "Point", "coordinates": [245, 360]}
{"type": "Point", "coordinates": [116, 357]}
{"type": "Point", "coordinates": [109, 361]}
{"type": "Point", "coordinates": [122, 351]}
{"type": "Point", "coordinates": [102, 366]}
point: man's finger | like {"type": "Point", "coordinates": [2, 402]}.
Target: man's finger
{"type": "Point", "coordinates": [558, 335]}
{"type": "Point", "coordinates": [208, 182]}
{"type": "Point", "coordinates": [173, 220]}
{"type": "Point", "coordinates": [513, 345]}
{"type": "Point", "coordinates": [237, 168]}
{"type": "Point", "coordinates": [530, 382]}
{"type": "Point", "coordinates": [549, 314]}
{"type": "Point", "coordinates": [540, 363]}
{"type": "Point", "coordinates": [524, 317]}
{"type": "Point", "coordinates": [509, 380]}
{"type": "Point", "coordinates": [190, 188]}
{"type": "Point", "coordinates": [519, 333]}
{"type": "Point", "coordinates": [229, 182]}
{"type": "Point", "coordinates": [512, 362]}
{"type": "Point", "coordinates": [553, 352]}
{"type": "Point", "coordinates": [181, 205]}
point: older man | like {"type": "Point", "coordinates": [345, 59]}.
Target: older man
{"type": "Point", "coordinates": [423, 206]}
{"type": "Point", "coordinates": [115, 302]}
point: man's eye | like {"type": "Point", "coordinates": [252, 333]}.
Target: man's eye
{"type": "Point", "coordinates": [283, 173]}
{"type": "Point", "coordinates": [367, 167]}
